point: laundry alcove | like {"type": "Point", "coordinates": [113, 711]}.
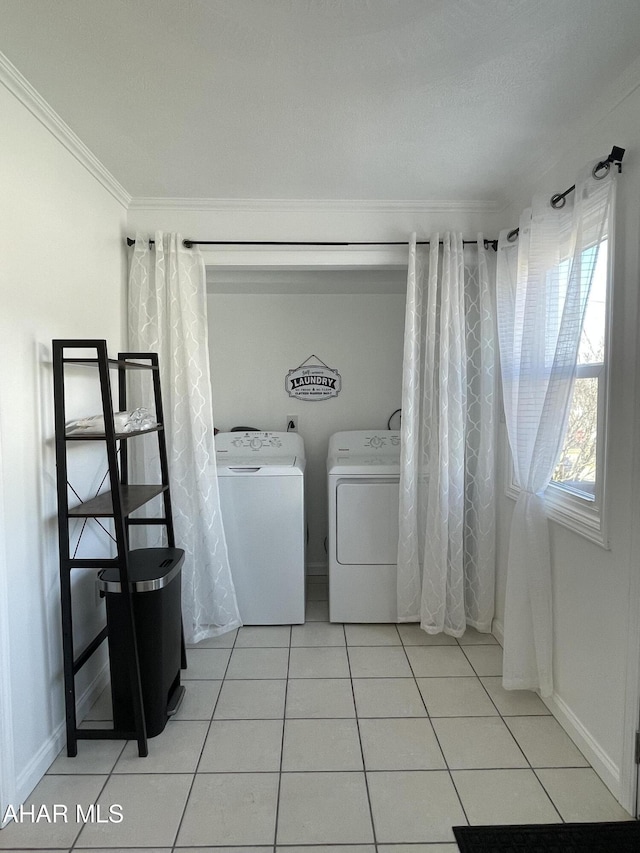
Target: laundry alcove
{"type": "Point", "coordinates": [266, 320]}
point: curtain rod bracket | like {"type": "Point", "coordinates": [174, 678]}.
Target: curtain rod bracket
{"type": "Point", "coordinates": [615, 157]}
{"type": "Point", "coordinates": [600, 171]}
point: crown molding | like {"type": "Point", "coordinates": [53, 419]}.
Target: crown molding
{"type": "Point", "coordinates": [285, 205]}
{"type": "Point", "coordinates": [20, 87]}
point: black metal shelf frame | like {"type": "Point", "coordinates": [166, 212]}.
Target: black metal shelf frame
{"type": "Point", "coordinates": [116, 504]}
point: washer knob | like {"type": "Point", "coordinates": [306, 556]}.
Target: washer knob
{"type": "Point", "coordinates": [256, 443]}
{"type": "Point", "coordinates": [376, 441]}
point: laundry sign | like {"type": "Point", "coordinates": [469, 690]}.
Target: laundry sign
{"type": "Point", "coordinates": [313, 381]}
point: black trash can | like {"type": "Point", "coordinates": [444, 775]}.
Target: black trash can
{"type": "Point", "coordinates": [155, 578]}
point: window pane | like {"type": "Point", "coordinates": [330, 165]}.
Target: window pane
{"type": "Point", "coordinates": [592, 341]}
{"type": "Point", "coordinates": [576, 468]}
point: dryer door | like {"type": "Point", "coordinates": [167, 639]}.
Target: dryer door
{"type": "Point", "coordinates": [367, 521]}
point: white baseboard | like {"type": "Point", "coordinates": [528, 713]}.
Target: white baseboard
{"type": "Point", "coordinates": [497, 629]}
{"type": "Point", "coordinates": [42, 760]}
{"type": "Point", "coordinates": [601, 762]}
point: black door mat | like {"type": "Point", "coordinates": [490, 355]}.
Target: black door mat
{"type": "Point", "coordinates": [619, 837]}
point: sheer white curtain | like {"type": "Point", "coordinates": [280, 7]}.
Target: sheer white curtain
{"type": "Point", "coordinates": [446, 549]}
{"type": "Point", "coordinates": [542, 287]}
{"type": "Point", "coordinates": [167, 315]}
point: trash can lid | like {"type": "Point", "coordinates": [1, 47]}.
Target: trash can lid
{"type": "Point", "coordinates": [150, 569]}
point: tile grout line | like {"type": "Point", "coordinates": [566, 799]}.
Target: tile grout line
{"type": "Point", "coordinates": [364, 765]}
{"type": "Point", "coordinates": [530, 766]}
{"type": "Point", "coordinates": [112, 772]}
{"type": "Point", "coordinates": [284, 723]}
{"type": "Point", "coordinates": [106, 782]}
{"type": "Point", "coordinates": [435, 734]}
{"type": "Point", "coordinates": [385, 717]}
{"type": "Point", "coordinates": [303, 772]}
{"type": "Point", "coordinates": [109, 776]}
{"type": "Point", "coordinates": [204, 742]}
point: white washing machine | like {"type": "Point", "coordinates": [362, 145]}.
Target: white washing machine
{"type": "Point", "coordinates": [261, 480]}
{"type": "Point", "coordinates": [363, 468]}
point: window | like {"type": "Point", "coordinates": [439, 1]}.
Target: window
{"type": "Point", "coordinates": [578, 466]}
{"type": "Point", "coordinates": [575, 496]}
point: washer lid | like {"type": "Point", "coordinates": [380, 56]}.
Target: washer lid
{"type": "Point", "coordinates": [364, 453]}
{"type": "Point", "coordinates": [263, 453]}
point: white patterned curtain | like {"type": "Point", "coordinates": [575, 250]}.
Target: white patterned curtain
{"type": "Point", "coordinates": [167, 315]}
{"type": "Point", "coordinates": [446, 550]}
{"type": "Point", "coordinates": [543, 284]}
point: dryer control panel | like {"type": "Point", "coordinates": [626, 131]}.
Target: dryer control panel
{"type": "Point", "coordinates": [379, 441]}
{"type": "Point", "coordinates": [358, 451]}
{"type": "Point", "coordinates": [357, 442]}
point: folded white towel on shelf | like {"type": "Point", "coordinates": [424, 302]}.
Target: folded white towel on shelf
{"type": "Point", "coordinates": [137, 419]}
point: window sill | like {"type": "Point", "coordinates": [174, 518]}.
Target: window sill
{"type": "Point", "coordinates": [577, 514]}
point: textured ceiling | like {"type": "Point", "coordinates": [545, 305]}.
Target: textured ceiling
{"type": "Point", "coordinates": [321, 99]}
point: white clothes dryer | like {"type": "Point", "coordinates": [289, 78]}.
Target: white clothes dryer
{"type": "Point", "coordinates": [261, 481]}
{"type": "Point", "coordinates": [363, 468]}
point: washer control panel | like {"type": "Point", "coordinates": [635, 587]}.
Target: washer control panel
{"type": "Point", "coordinates": [256, 441]}
{"type": "Point", "coordinates": [258, 445]}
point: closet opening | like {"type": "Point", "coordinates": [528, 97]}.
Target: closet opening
{"type": "Point", "coordinates": [265, 319]}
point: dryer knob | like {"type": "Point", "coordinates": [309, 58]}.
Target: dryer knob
{"type": "Point", "coordinates": [376, 441]}
{"type": "Point", "coordinates": [256, 443]}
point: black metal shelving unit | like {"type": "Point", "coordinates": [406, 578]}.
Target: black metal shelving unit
{"type": "Point", "coordinates": [116, 504]}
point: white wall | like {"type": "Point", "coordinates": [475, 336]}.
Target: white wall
{"type": "Point", "coordinates": [61, 275]}
{"type": "Point", "coordinates": [256, 338]}
{"type": "Point", "coordinates": [595, 591]}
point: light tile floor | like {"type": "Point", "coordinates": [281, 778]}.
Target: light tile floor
{"type": "Point", "coordinates": [318, 735]}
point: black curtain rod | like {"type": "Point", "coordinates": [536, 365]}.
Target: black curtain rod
{"type": "Point", "coordinates": [557, 201]}
{"type": "Point", "coordinates": [188, 244]}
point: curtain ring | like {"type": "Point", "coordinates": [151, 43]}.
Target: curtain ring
{"type": "Point", "coordinates": [596, 169]}
{"type": "Point", "coordinates": [512, 236]}
{"type": "Point", "coordinates": [558, 201]}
